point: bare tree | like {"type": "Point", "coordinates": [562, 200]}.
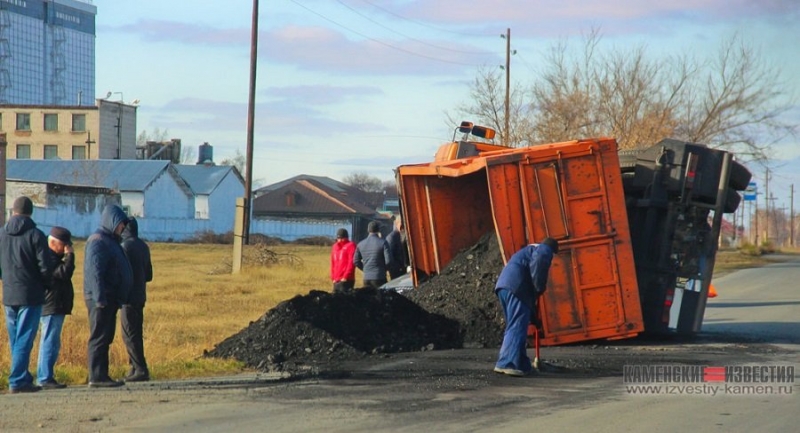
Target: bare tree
{"type": "Point", "coordinates": [487, 108]}
{"type": "Point", "coordinates": [733, 102]}
{"type": "Point", "coordinates": [238, 160]}
{"type": "Point", "coordinates": [156, 135]}
{"type": "Point", "coordinates": [187, 155]}
{"type": "Point", "coordinates": [739, 104]}
{"type": "Point", "coordinates": [364, 182]}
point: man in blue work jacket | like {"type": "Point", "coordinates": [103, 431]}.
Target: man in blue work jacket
{"type": "Point", "coordinates": [520, 284]}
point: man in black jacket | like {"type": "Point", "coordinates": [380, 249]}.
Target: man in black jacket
{"type": "Point", "coordinates": [59, 298]}
{"type": "Point", "coordinates": [25, 266]}
{"type": "Point", "coordinates": [398, 245]}
{"type": "Point", "coordinates": [107, 281]}
{"type": "Point", "coordinates": [138, 254]}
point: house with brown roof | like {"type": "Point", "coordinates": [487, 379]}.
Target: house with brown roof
{"type": "Point", "coordinates": [309, 206]}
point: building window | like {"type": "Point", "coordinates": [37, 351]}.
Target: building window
{"type": "Point", "coordinates": [23, 151]}
{"type": "Point", "coordinates": [78, 122]}
{"type": "Point", "coordinates": [51, 122]}
{"type": "Point", "coordinates": [50, 151]}
{"type": "Point", "coordinates": [78, 152]}
{"type": "Point", "coordinates": [1, 121]}
{"type": "Point", "coordinates": [23, 122]}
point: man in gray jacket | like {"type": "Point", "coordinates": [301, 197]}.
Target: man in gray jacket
{"type": "Point", "coordinates": [373, 257]}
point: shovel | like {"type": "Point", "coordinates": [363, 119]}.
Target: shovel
{"type": "Point", "coordinates": [539, 364]}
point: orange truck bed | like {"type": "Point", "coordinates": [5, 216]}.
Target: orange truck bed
{"type": "Point", "coordinates": [571, 191]}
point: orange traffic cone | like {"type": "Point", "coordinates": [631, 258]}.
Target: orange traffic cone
{"type": "Point", "coordinates": [712, 292]}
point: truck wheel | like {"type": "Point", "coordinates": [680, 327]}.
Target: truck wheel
{"type": "Point", "coordinates": [739, 177]}
{"type": "Point", "coordinates": [732, 201]}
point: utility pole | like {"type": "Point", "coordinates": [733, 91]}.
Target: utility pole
{"type": "Point", "coordinates": [766, 203]}
{"type": "Point", "coordinates": [791, 216]}
{"type": "Point", "coordinates": [248, 178]}
{"type": "Point", "coordinates": [3, 172]}
{"type": "Point", "coordinates": [506, 131]}
{"type": "Point", "coordinates": [756, 230]}
{"type": "Point", "coordinates": [241, 226]}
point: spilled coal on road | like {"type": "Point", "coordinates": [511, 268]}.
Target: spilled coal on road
{"type": "Point", "coordinates": [455, 309]}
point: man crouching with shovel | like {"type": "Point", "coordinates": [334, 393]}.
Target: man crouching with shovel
{"type": "Point", "coordinates": [521, 282]}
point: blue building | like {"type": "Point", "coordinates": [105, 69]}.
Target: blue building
{"type": "Point", "coordinates": [47, 52]}
{"type": "Point", "coordinates": [171, 202]}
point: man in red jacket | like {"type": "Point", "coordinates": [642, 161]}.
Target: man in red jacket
{"type": "Point", "coordinates": [343, 271]}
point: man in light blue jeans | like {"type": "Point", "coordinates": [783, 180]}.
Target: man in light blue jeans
{"type": "Point", "coordinates": [59, 299]}
{"type": "Point", "coordinates": [26, 263]}
{"type": "Point", "coordinates": [22, 322]}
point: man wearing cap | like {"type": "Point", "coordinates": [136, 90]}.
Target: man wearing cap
{"type": "Point", "coordinates": [343, 271]}
{"type": "Point", "coordinates": [132, 318]}
{"type": "Point", "coordinates": [59, 297]}
{"type": "Point", "coordinates": [26, 265]}
{"type": "Point", "coordinates": [373, 257]}
{"type": "Point", "coordinates": [107, 281]}
{"type": "Point", "coordinates": [521, 282]}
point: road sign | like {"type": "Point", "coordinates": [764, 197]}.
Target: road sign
{"type": "Point", "coordinates": [750, 192]}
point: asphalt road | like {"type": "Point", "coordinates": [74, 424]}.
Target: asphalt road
{"type": "Point", "coordinates": [753, 322]}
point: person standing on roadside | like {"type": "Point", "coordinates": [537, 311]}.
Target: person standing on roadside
{"type": "Point", "coordinates": [132, 318]}
{"type": "Point", "coordinates": [398, 245]}
{"type": "Point", "coordinates": [107, 281]}
{"type": "Point", "coordinates": [343, 271]}
{"type": "Point", "coordinates": [518, 287]}
{"type": "Point", "coordinates": [26, 265]}
{"type": "Point", "coordinates": [59, 299]}
{"type": "Point", "coordinates": [373, 257]}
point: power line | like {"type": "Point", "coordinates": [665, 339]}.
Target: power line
{"type": "Point", "coordinates": [407, 36]}
{"type": "Point", "coordinates": [420, 23]}
{"type": "Point", "coordinates": [379, 41]}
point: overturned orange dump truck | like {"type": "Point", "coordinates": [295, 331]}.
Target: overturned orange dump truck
{"type": "Point", "coordinates": [576, 193]}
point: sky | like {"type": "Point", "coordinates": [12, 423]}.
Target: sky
{"type": "Point", "coordinates": [346, 86]}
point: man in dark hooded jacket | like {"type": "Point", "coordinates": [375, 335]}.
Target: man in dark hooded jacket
{"type": "Point", "coordinates": [107, 281]}
{"type": "Point", "coordinates": [132, 317]}
{"type": "Point", "coordinates": [26, 264]}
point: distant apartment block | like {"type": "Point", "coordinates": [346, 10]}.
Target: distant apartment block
{"type": "Point", "coordinates": [47, 52]}
{"type": "Point", "coordinates": [106, 130]}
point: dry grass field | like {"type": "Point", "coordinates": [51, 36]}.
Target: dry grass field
{"type": "Point", "coordinates": [193, 303]}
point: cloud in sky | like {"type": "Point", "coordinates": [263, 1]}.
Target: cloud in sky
{"type": "Point", "coordinates": [157, 30]}
{"type": "Point", "coordinates": [321, 94]}
{"type": "Point", "coordinates": [340, 82]}
{"type": "Point", "coordinates": [565, 11]}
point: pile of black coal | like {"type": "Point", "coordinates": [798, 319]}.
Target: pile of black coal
{"type": "Point", "coordinates": [455, 309]}
{"type": "Point", "coordinates": [464, 292]}
{"type": "Point", "coordinates": [322, 327]}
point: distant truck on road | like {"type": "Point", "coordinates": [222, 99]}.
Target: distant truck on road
{"type": "Point", "coordinates": [637, 229]}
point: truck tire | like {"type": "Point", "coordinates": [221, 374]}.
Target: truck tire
{"type": "Point", "coordinates": [739, 177]}
{"type": "Point", "coordinates": [732, 201]}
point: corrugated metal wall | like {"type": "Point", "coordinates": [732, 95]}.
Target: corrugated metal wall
{"type": "Point", "coordinates": [289, 230]}
{"type": "Point", "coordinates": [182, 229]}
